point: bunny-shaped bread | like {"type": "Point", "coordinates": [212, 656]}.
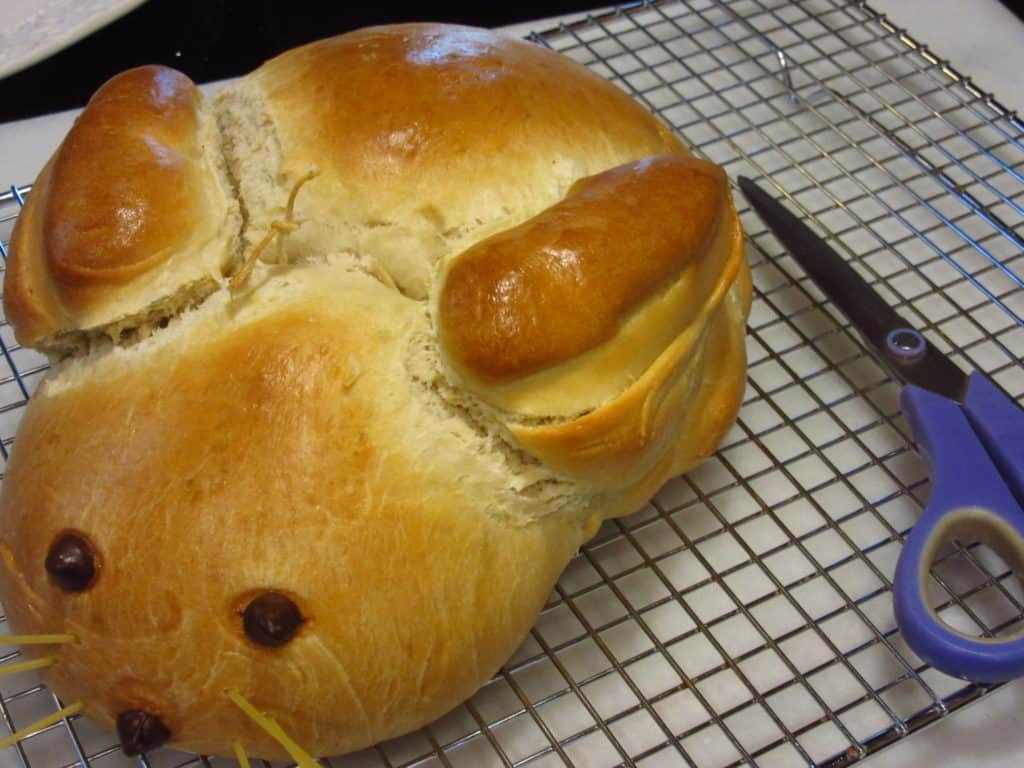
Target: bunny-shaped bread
{"type": "Point", "coordinates": [348, 361]}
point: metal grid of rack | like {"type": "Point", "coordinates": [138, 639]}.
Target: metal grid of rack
{"type": "Point", "coordinates": [744, 616]}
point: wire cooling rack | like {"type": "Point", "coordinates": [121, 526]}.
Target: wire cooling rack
{"type": "Point", "coordinates": [744, 616]}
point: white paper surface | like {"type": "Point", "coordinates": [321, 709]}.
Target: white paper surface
{"type": "Point", "coordinates": [980, 38]}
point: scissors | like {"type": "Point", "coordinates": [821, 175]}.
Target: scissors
{"type": "Point", "coordinates": [967, 429]}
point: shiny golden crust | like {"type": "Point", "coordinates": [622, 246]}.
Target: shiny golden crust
{"type": "Point", "coordinates": [670, 420]}
{"type": "Point", "coordinates": [597, 328]}
{"type": "Point", "coordinates": [127, 192]}
{"type": "Point", "coordinates": [362, 512]}
{"type": "Point", "coordinates": [419, 107]}
{"type": "Point", "coordinates": [138, 135]}
{"type": "Point", "coordinates": [673, 414]}
{"type": "Point", "coordinates": [419, 100]}
{"type": "Point", "coordinates": [327, 427]}
{"type": "Point", "coordinates": [561, 283]}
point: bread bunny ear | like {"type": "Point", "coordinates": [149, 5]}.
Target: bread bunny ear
{"type": "Point", "coordinates": [127, 220]}
{"type": "Point", "coordinates": [561, 284]}
{"type": "Point", "coordinates": [588, 326]}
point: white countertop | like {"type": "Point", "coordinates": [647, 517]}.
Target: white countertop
{"type": "Point", "coordinates": [980, 38]}
{"type": "Point", "coordinates": [983, 41]}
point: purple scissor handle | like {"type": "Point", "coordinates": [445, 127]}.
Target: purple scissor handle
{"type": "Point", "coordinates": [976, 454]}
{"type": "Point", "coordinates": [969, 431]}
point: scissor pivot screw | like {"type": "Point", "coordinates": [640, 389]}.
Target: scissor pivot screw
{"type": "Point", "coordinates": [906, 345]}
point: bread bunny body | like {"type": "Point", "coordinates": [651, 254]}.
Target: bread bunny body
{"type": "Point", "coordinates": [343, 483]}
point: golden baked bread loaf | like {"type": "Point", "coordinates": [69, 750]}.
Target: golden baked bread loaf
{"type": "Point", "coordinates": [348, 361]}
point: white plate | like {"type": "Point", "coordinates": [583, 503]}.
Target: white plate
{"type": "Point", "coordinates": [31, 30]}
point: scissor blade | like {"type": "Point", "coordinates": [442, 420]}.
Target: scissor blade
{"type": "Point", "coordinates": [870, 313]}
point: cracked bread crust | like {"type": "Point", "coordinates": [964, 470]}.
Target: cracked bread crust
{"type": "Point", "coordinates": [435, 137]}
{"type": "Point", "coordinates": [307, 432]}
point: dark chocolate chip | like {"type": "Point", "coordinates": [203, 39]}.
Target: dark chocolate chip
{"type": "Point", "coordinates": [70, 563]}
{"type": "Point", "coordinates": [140, 731]}
{"type": "Point", "coordinates": [271, 619]}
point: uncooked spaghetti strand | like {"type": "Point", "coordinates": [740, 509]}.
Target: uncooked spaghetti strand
{"type": "Point", "coordinates": [38, 725]}
{"type": "Point", "coordinates": [24, 666]}
{"type": "Point", "coordinates": [302, 758]}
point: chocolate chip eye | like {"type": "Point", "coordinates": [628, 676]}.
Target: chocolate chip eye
{"type": "Point", "coordinates": [271, 619]}
{"type": "Point", "coordinates": [140, 731]}
{"type": "Point", "coordinates": [70, 563]}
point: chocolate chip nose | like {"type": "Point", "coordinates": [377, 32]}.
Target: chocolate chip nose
{"type": "Point", "coordinates": [70, 563]}
{"type": "Point", "coordinates": [140, 731]}
{"type": "Point", "coordinates": [271, 619]}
